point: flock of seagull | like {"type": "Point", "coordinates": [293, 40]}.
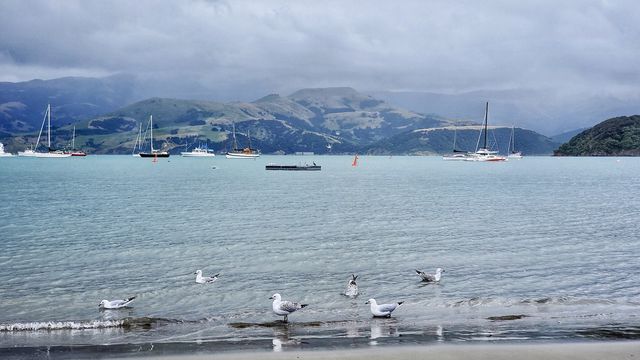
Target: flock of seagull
{"type": "Point", "coordinates": [285, 307]}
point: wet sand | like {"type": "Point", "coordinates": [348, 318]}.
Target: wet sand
{"type": "Point", "coordinates": [583, 351]}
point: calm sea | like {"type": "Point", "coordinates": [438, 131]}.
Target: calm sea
{"type": "Point", "coordinates": [536, 249]}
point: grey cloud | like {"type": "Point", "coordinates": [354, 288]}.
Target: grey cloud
{"type": "Point", "coordinates": [249, 47]}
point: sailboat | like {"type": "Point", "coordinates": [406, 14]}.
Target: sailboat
{"type": "Point", "coordinates": [237, 153]}
{"type": "Point", "coordinates": [52, 153]}
{"type": "Point", "coordinates": [513, 154]}
{"type": "Point", "coordinates": [154, 153]}
{"type": "Point", "coordinates": [73, 151]}
{"type": "Point", "coordinates": [483, 153]}
{"type": "Point", "coordinates": [2, 153]}
{"type": "Point", "coordinates": [455, 154]}
{"type": "Point", "coordinates": [355, 161]}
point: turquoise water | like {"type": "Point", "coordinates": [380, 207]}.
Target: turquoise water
{"type": "Point", "coordinates": [553, 239]}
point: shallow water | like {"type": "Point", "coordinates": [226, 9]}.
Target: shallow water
{"type": "Point", "coordinates": [554, 239]}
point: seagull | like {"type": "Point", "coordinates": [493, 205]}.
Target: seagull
{"type": "Point", "coordinates": [205, 279]}
{"type": "Point", "coordinates": [284, 307]}
{"type": "Point", "coordinates": [352, 287]}
{"type": "Point", "coordinates": [115, 304]}
{"type": "Point", "coordinates": [383, 310]}
{"type": "Point", "coordinates": [431, 278]}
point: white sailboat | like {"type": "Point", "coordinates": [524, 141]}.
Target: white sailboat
{"type": "Point", "coordinates": [2, 153]}
{"type": "Point", "coordinates": [52, 153]}
{"type": "Point", "coordinates": [245, 153]}
{"type": "Point", "coordinates": [483, 153]}
{"type": "Point", "coordinates": [455, 155]}
{"type": "Point", "coordinates": [138, 144]}
{"type": "Point", "coordinates": [513, 154]}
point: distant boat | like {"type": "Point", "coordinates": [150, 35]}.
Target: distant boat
{"type": "Point", "coordinates": [52, 153]}
{"type": "Point", "coordinates": [483, 153]}
{"type": "Point", "coordinates": [513, 154]}
{"type": "Point", "coordinates": [455, 154]}
{"type": "Point", "coordinates": [154, 153]}
{"type": "Point", "coordinates": [245, 153]}
{"type": "Point", "coordinates": [355, 161]}
{"type": "Point", "coordinates": [73, 151]}
{"type": "Point", "coordinates": [198, 152]}
{"type": "Point", "coordinates": [305, 167]}
{"type": "Point", "coordinates": [2, 153]}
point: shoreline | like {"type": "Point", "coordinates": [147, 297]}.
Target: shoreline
{"type": "Point", "coordinates": [565, 350]}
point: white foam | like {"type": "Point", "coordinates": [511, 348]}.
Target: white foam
{"type": "Point", "coordinates": [62, 325]}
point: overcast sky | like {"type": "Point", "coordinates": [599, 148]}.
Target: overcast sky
{"type": "Point", "coordinates": [245, 48]}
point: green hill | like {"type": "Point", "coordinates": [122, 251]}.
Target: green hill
{"type": "Point", "coordinates": [618, 136]}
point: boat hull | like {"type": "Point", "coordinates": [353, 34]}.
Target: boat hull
{"type": "Point", "coordinates": [241, 156]}
{"type": "Point", "coordinates": [293, 167]}
{"type": "Point", "coordinates": [192, 154]}
{"type": "Point", "coordinates": [154, 155]}
{"type": "Point", "coordinates": [50, 155]}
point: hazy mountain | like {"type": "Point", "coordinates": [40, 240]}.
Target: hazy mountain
{"type": "Point", "coordinates": [23, 104]}
{"type": "Point", "coordinates": [566, 136]}
{"type": "Point", "coordinates": [546, 112]}
{"type": "Point", "coordinates": [307, 120]}
{"type": "Point", "coordinates": [618, 136]}
{"type": "Point", "coordinates": [440, 140]}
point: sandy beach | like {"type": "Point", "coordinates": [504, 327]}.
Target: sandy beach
{"type": "Point", "coordinates": [583, 351]}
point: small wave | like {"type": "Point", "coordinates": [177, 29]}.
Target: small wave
{"type": "Point", "coordinates": [562, 300]}
{"type": "Point", "coordinates": [62, 325]}
{"type": "Point", "coordinates": [127, 323]}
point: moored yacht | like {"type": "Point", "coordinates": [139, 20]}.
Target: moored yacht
{"type": "Point", "coordinates": [198, 152]}
{"type": "Point", "coordinates": [483, 153]}
{"type": "Point", "coordinates": [52, 153]}
{"type": "Point", "coordinates": [245, 153]}
{"type": "Point", "coordinates": [2, 153]}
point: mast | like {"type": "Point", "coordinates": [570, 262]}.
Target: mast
{"type": "Point", "coordinates": [49, 125]}
{"type": "Point", "coordinates": [151, 124]}
{"type": "Point", "coordinates": [235, 143]}
{"type": "Point", "coordinates": [249, 136]}
{"type": "Point", "coordinates": [513, 139]}
{"type": "Point", "coordinates": [41, 128]}
{"type": "Point", "coordinates": [73, 139]}
{"type": "Point", "coordinates": [455, 133]}
{"type": "Point", "coordinates": [486, 116]}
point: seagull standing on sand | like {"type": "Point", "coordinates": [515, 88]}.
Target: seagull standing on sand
{"type": "Point", "coordinates": [431, 278]}
{"type": "Point", "coordinates": [383, 310]}
{"type": "Point", "coordinates": [284, 307]}
{"type": "Point", "coordinates": [115, 304]}
{"type": "Point", "coordinates": [205, 279]}
{"type": "Point", "coordinates": [352, 287]}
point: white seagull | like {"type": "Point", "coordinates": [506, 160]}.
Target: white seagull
{"type": "Point", "coordinates": [115, 304]}
{"type": "Point", "coordinates": [352, 287]}
{"type": "Point", "coordinates": [284, 307]}
{"type": "Point", "coordinates": [383, 310]}
{"type": "Point", "coordinates": [205, 279]}
{"type": "Point", "coordinates": [431, 278]}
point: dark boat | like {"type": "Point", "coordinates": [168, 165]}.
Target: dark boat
{"type": "Point", "coordinates": [305, 167]}
{"type": "Point", "coordinates": [162, 154]}
{"type": "Point", "coordinates": [154, 153]}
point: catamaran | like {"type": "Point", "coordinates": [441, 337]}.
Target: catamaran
{"type": "Point", "coordinates": [484, 154]}
{"type": "Point", "coordinates": [246, 153]}
{"type": "Point", "coordinates": [455, 154]}
{"type": "Point", "coordinates": [154, 153]}
{"type": "Point", "coordinates": [513, 154]}
{"type": "Point", "coordinates": [52, 153]}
